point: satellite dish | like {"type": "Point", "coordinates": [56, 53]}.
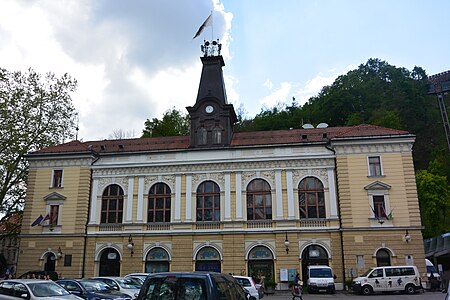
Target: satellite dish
{"type": "Point", "coordinates": [307, 126]}
{"type": "Point", "coordinates": [322, 125]}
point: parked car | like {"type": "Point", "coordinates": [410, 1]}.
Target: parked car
{"type": "Point", "coordinates": [388, 279]}
{"type": "Point", "coordinates": [320, 279]}
{"type": "Point", "coordinates": [139, 276]}
{"type": "Point", "coordinates": [126, 285]}
{"type": "Point", "coordinates": [39, 274]}
{"type": "Point", "coordinates": [91, 289]}
{"type": "Point", "coordinates": [33, 289]}
{"type": "Point", "coordinates": [191, 285]}
{"type": "Point", "coordinates": [255, 290]}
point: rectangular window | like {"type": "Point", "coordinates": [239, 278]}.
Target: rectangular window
{"type": "Point", "coordinates": [67, 260]}
{"type": "Point", "coordinates": [54, 212]}
{"type": "Point", "coordinates": [375, 166]}
{"type": "Point", "coordinates": [379, 207]}
{"type": "Point", "coordinates": [57, 178]}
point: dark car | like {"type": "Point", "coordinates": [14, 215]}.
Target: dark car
{"type": "Point", "coordinates": [39, 274]}
{"type": "Point", "coordinates": [91, 289]}
{"type": "Point", "coordinates": [191, 285]}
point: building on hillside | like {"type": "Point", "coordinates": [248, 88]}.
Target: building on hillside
{"type": "Point", "coordinates": [265, 203]}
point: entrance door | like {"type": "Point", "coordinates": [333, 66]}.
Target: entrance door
{"type": "Point", "coordinates": [109, 263]}
{"type": "Point", "coordinates": [311, 256]}
{"type": "Point", "coordinates": [50, 262]}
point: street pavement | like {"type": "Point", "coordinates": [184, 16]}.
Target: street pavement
{"type": "Point", "coordinates": [346, 295]}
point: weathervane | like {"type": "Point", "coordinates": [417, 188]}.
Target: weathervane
{"type": "Point", "coordinates": [211, 48]}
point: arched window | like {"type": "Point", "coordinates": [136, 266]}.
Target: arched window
{"type": "Point", "coordinates": [202, 135]}
{"type": "Point", "coordinates": [311, 198]}
{"type": "Point", "coordinates": [112, 204]}
{"type": "Point", "coordinates": [208, 202]}
{"type": "Point", "coordinates": [159, 203]}
{"type": "Point", "coordinates": [217, 135]}
{"type": "Point", "coordinates": [259, 200]}
{"type": "Point", "coordinates": [383, 258]}
{"type": "Point", "coordinates": [157, 260]}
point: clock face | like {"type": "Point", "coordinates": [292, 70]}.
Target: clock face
{"type": "Point", "coordinates": [209, 109]}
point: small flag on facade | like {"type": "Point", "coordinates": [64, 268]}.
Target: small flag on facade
{"type": "Point", "coordinates": [47, 217]}
{"type": "Point", "coordinates": [204, 25]}
{"type": "Point", "coordinates": [38, 221]}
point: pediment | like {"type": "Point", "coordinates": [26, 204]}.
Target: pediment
{"type": "Point", "coordinates": [54, 196]}
{"type": "Point", "coordinates": [377, 185]}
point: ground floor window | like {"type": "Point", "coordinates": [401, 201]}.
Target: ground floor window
{"type": "Point", "coordinates": [157, 260]}
{"type": "Point", "coordinates": [208, 259]}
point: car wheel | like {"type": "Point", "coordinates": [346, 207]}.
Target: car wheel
{"type": "Point", "coordinates": [252, 298]}
{"type": "Point", "coordinates": [410, 289]}
{"type": "Point", "coordinates": [366, 290]}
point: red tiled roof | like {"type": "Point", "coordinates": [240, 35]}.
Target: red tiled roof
{"type": "Point", "coordinates": [256, 138]}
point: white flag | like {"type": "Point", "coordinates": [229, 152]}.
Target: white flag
{"type": "Point", "coordinates": [205, 24]}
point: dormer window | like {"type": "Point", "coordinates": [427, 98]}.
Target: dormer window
{"type": "Point", "coordinates": [57, 179]}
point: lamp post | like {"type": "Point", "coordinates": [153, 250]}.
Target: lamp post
{"type": "Point", "coordinates": [286, 244]}
{"type": "Point", "coordinates": [130, 245]}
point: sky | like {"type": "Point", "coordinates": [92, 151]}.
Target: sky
{"type": "Point", "coordinates": [134, 60]}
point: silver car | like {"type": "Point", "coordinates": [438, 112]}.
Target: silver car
{"type": "Point", "coordinates": [33, 289]}
{"type": "Point", "coordinates": [126, 285]}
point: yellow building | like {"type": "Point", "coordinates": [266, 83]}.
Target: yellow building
{"type": "Point", "coordinates": [264, 203]}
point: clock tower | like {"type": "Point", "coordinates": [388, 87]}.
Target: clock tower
{"type": "Point", "coordinates": [211, 118]}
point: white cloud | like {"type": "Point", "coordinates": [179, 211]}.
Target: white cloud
{"type": "Point", "coordinates": [313, 86]}
{"type": "Point", "coordinates": [279, 95]}
{"type": "Point", "coordinates": [268, 84]}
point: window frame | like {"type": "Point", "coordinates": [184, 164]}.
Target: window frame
{"type": "Point", "coordinates": [373, 168]}
{"type": "Point", "coordinates": [118, 212]}
{"type": "Point", "coordinates": [201, 195]}
{"type": "Point", "coordinates": [318, 189]}
{"type": "Point", "coordinates": [53, 179]}
{"type": "Point", "coordinates": [167, 195]}
{"type": "Point", "coordinates": [251, 196]}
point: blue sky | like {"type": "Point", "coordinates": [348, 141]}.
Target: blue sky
{"type": "Point", "coordinates": [136, 59]}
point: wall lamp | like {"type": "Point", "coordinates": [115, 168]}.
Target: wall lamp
{"type": "Point", "coordinates": [59, 253]}
{"type": "Point", "coordinates": [286, 244]}
{"type": "Point", "coordinates": [130, 245]}
{"type": "Point", "coordinates": [407, 236]}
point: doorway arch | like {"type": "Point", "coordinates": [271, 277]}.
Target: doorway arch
{"type": "Point", "coordinates": [313, 255]}
{"type": "Point", "coordinates": [109, 263]}
{"type": "Point", "coordinates": [383, 257]}
{"type": "Point", "coordinates": [49, 262]}
{"type": "Point", "coordinates": [260, 264]}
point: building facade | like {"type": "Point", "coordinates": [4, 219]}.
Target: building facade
{"type": "Point", "coordinates": [266, 203]}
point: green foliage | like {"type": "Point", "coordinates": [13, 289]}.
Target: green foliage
{"type": "Point", "coordinates": [434, 199]}
{"type": "Point", "coordinates": [173, 123]}
{"type": "Point", "coordinates": [35, 112]}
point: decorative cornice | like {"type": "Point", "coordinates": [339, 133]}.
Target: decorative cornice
{"type": "Point", "coordinates": [349, 149]}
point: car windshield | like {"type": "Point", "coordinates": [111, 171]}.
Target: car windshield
{"type": "Point", "coordinates": [320, 273]}
{"type": "Point", "coordinates": [94, 285]}
{"type": "Point", "coordinates": [366, 273]}
{"type": "Point", "coordinates": [129, 283]}
{"type": "Point", "coordinates": [431, 269]}
{"type": "Point", "coordinates": [47, 289]}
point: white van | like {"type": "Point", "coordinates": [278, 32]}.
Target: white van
{"type": "Point", "coordinates": [434, 279]}
{"type": "Point", "coordinates": [320, 279]}
{"type": "Point", "coordinates": [388, 279]}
